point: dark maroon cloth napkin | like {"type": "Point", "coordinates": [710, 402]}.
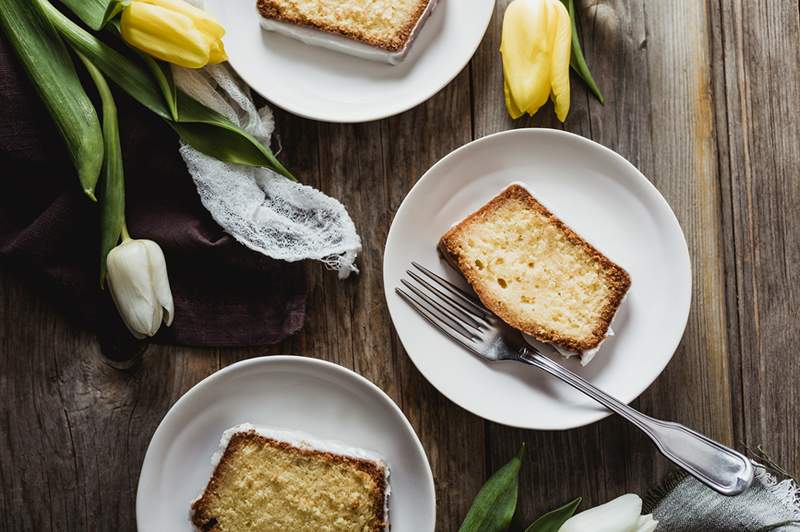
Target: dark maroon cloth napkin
{"type": "Point", "coordinates": [225, 294]}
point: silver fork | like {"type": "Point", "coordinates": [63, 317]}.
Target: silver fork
{"type": "Point", "coordinates": [462, 317]}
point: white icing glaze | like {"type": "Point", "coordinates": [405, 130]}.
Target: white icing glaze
{"type": "Point", "coordinates": [585, 356]}
{"type": "Point", "coordinates": [589, 354]}
{"type": "Point", "coordinates": [345, 45]}
{"type": "Point", "coordinates": [302, 440]}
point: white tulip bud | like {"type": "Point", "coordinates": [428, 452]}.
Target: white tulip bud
{"type": "Point", "coordinates": [620, 515]}
{"type": "Point", "coordinates": [137, 279]}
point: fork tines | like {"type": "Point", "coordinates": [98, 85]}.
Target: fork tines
{"type": "Point", "coordinates": [444, 305]}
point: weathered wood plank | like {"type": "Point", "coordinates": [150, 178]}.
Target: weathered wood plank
{"type": "Point", "coordinates": [370, 167]}
{"type": "Point", "coordinates": [298, 140]}
{"type": "Point", "coordinates": [759, 87]}
{"type": "Point", "coordinates": [684, 168]}
{"type": "Point", "coordinates": [34, 420]}
{"type": "Point", "coordinates": [719, 66]}
{"type": "Point", "coordinates": [453, 440]}
{"type": "Point", "coordinates": [700, 96]}
{"type": "Point", "coordinates": [74, 429]}
{"type": "Point", "coordinates": [652, 61]}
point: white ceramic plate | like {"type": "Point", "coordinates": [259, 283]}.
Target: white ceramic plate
{"type": "Point", "coordinates": [607, 201]}
{"type": "Point", "coordinates": [304, 394]}
{"type": "Point", "coordinates": [324, 85]}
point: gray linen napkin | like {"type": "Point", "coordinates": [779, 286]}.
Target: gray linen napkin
{"type": "Point", "coordinates": [683, 504]}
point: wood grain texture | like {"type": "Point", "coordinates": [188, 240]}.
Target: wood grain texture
{"type": "Point", "coordinates": [653, 73]}
{"type": "Point", "coordinates": [757, 87]}
{"type": "Point", "coordinates": [701, 96]}
{"type": "Point", "coordinates": [447, 432]}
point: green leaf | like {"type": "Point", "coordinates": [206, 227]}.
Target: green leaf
{"type": "Point", "coordinates": [163, 76]}
{"type": "Point", "coordinates": [229, 143]}
{"type": "Point", "coordinates": [195, 121]}
{"type": "Point", "coordinates": [493, 508]}
{"type": "Point", "coordinates": [131, 77]}
{"type": "Point", "coordinates": [94, 13]}
{"type": "Point", "coordinates": [552, 521]}
{"type": "Point", "coordinates": [578, 62]}
{"type": "Point", "coordinates": [112, 203]}
{"type": "Point", "coordinates": [49, 66]}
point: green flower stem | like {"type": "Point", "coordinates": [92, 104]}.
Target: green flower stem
{"type": "Point", "coordinates": [112, 204]}
{"type": "Point", "coordinates": [578, 62]}
{"type": "Point", "coordinates": [160, 71]}
{"type": "Point", "coordinates": [165, 82]}
{"type": "Point", "coordinates": [201, 127]}
{"type": "Point", "coordinates": [131, 77]}
{"type": "Point", "coordinates": [125, 234]}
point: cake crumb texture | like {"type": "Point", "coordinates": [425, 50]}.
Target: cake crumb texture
{"type": "Point", "coordinates": [268, 485]}
{"type": "Point", "coordinates": [387, 24]}
{"type": "Point", "coordinates": [535, 273]}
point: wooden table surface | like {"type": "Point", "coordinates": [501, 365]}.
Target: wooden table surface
{"type": "Point", "coordinates": [702, 96]}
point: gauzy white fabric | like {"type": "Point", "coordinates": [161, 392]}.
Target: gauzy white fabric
{"type": "Point", "coordinates": [261, 209]}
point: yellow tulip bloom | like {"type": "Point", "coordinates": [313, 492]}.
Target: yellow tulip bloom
{"type": "Point", "coordinates": [174, 31]}
{"type": "Point", "coordinates": [535, 46]}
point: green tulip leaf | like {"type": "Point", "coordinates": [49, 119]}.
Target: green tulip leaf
{"type": "Point", "coordinates": [47, 61]}
{"type": "Point", "coordinates": [130, 76]}
{"type": "Point", "coordinates": [198, 126]}
{"type": "Point", "coordinates": [553, 520]}
{"type": "Point", "coordinates": [494, 506]}
{"type": "Point", "coordinates": [94, 13]}
{"type": "Point", "coordinates": [577, 61]}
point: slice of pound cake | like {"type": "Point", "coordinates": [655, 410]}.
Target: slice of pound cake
{"type": "Point", "coordinates": [275, 480]}
{"type": "Point", "coordinates": [535, 273]}
{"type": "Point", "coordinates": [373, 29]}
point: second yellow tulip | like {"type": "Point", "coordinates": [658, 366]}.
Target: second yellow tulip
{"type": "Point", "coordinates": [536, 48]}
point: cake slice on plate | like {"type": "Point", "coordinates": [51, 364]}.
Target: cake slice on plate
{"type": "Point", "coordinates": [537, 274]}
{"type": "Point", "coordinates": [380, 30]}
{"type": "Point", "coordinates": [275, 480]}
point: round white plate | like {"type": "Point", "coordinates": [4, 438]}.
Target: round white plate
{"type": "Point", "coordinates": [324, 85]}
{"type": "Point", "coordinates": [603, 198]}
{"type": "Point", "coordinates": [303, 394]}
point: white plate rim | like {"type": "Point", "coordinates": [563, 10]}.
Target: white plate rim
{"type": "Point", "coordinates": [646, 185]}
{"type": "Point", "coordinates": [324, 365]}
{"type": "Point", "coordinates": [367, 117]}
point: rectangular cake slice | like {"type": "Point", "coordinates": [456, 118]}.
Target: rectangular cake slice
{"type": "Point", "coordinates": [275, 480]}
{"type": "Point", "coordinates": [379, 30]}
{"type": "Point", "coordinates": [535, 273]}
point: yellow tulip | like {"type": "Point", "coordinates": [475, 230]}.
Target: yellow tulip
{"type": "Point", "coordinates": [174, 31]}
{"type": "Point", "coordinates": [535, 45]}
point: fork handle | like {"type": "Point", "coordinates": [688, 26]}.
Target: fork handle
{"type": "Point", "coordinates": [720, 468]}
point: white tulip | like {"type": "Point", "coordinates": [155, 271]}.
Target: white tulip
{"type": "Point", "coordinates": [137, 278]}
{"type": "Point", "coordinates": [620, 515]}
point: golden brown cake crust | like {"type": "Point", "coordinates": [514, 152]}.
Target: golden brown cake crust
{"type": "Point", "coordinates": [202, 514]}
{"type": "Point", "coordinates": [270, 9]}
{"type": "Point", "coordinates": [617, 278]}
